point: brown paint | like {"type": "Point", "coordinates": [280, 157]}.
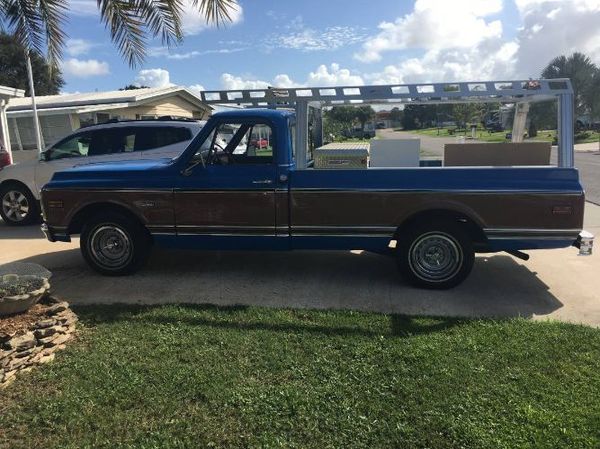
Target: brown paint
{"type": "Point", "coordinates": [266, 210]}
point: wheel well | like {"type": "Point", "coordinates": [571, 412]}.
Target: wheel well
{"type": "Point", "coordinates": [87, 212]}
{"type": "Point", "coordinates": [473, 229]}
{"type": "Point", "coordinates": [15, 182]}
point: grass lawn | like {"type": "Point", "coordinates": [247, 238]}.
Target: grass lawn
{"type": "Point", "coordinates": [485, 136]}
{"type": "Point", "coordinates": [194, 376]}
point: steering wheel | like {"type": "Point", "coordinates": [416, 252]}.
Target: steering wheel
{"type": "Point", "coordinates": [220, 157]}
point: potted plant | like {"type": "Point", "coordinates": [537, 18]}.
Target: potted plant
{"type": "Point", "coordinates": [19, 293]}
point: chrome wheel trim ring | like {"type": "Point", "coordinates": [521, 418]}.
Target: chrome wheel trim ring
{"type": "Point", "coordinates": [435, 257]}
{"type": "Point", "coordinates": [110, 246]}
{"type": "Point", "coordinates": [15, 205]}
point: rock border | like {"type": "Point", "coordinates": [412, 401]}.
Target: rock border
{"type": "Point", "coordinates": [37, 344]}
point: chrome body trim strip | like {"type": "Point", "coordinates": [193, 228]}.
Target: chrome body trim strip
{"type": "Point", "coordinates": [441, 190]}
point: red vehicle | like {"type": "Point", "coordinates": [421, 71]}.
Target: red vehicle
{"type": "Point", "coordinates": [259, 143]}
{"type": "Point", "coordinates": [4, 157]}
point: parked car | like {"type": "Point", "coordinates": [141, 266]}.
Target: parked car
{"type": "Point", "coordinates": [20, 184]}
{"type": "Point", "coordinates": [431, 220]}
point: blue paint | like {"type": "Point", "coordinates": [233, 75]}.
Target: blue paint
{"type": "Point", "coordinates": [223, 243]}
{"type": "Point", "coordinates": [525, 243]}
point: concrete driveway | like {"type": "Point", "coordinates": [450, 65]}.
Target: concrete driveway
{"type": "Point", "coordinates": [552, 284]}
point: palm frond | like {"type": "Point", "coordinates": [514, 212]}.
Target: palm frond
{"type": "Point", "coordinates": [39, 24]}
{"type": "Point", "coordinates": [162, 18]}
{"type": "Point", "coordinates": [25, 22]}
{"type": "Point", "coordinates": [216, 11]}
{"type": "Point", "coordinates": [53, 15]}
{"type": "Point", "coordinates": [126, 28]}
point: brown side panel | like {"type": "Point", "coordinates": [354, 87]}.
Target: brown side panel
{"type": "Point", "coordinates": [489, 210]}
{"type": "Point", "coordinates": [153, 208]}
{"type": "Point", "coordinates": [206, 209]}
{"type": "Point", "coordinates": [282, 212]}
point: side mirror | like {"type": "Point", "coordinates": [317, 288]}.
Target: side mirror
{"type": "Point", "coordinates": [45, 155]}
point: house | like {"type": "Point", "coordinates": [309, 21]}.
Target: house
{"type": "Point", "coordinates": [60, 115]}
{"type": "Point", "coordinates": [6, 93]}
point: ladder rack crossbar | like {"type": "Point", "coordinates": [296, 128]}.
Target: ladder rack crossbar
{"type": "Point", "coordinates": [423, 93]}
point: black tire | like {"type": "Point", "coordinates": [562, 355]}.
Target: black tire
{"type": "Point", "coordinates": [114, 244]}
{"type": "Point", "coordinates": [437, 255]}
{"type": "Point", "coordinates": [18, 206]}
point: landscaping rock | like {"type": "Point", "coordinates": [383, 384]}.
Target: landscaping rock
{"type": "Point", "coordinates": [42, 324]}
{"type": "Point", "coordinates": [21, 342]}
{"type": "Point", "coordinates": [61, 339]}
{"type": "Point", "coordinates": [41, 333]}
{"type": "Point", "coordinates": [56, 308]}
{"type": "Point", "coordinates": [33, 338]}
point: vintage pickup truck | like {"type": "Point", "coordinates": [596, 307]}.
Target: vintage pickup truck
{"type": "Point", "coordinates": [232, 194]}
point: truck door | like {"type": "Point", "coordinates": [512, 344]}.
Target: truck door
{"type": "Point", "coordinates": [228, 187]}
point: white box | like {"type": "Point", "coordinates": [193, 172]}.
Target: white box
{"type": "Point", "coordinates": [395, 153]}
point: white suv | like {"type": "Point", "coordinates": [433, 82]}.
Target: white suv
{"type": "Point", "coordinates": [20, 184]}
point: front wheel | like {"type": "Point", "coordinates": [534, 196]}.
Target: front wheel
{"type": "Point", "coordinates": [18, 206]}
{"type": "Point", "coordinates": [114, 244]}
{"type": "Point", "coordinates": [435, 255]}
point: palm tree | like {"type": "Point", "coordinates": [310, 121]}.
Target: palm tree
{"type": "Point", "coordinates": [39, 24]}
{"type": "Point", "coordinates": [581, 70]}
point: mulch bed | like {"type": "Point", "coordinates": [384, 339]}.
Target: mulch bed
{"type": "Point", "coordinates": [15, 324]}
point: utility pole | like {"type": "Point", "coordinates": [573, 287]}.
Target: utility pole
{"type": "Point", "coordinates": [36, 122]}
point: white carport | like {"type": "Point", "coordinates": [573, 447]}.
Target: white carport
{"type": "Point", "coordinates": [6, 93]}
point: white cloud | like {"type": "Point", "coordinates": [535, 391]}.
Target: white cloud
{"type": "Point", "coordinates": [331, 75]}
{"type": "Point", "coordinates": [546, 31]}
{"type": "Point", "coordinates": [153, 78]}
{"type": "Point", "coordinates": [78, 47]}
{"type": "Point", "coordinates": [194, 22]}
{"type": "Point", "coordinates": [298, 36]}
{"type": "Point", "coordinates": [232, 82]}
{"type": "Point", "coordinates": [196, 88]}
{"type": "Point", "coordinates": [85, 68]}
{"type": "Point", "coordinates": [83, 8]}
{"type": "Point", "coordinates": [165, 52]}
{"type": "Point", "coordinates": [554, 27]}
{"type": "Point", "coordinates": [435, 25]}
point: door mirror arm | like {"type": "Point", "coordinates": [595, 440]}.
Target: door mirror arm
{"type": "Point", "coordinates": [190, 168]}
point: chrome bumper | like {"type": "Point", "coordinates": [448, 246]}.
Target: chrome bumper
{"type": "Point", "coordinates": [585, 243]}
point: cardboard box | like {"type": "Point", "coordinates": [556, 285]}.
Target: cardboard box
{"type": "Point", "coordinates": [496, 154]}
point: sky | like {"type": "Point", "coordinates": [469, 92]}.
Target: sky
{"type": "Point", "coordinates": [287, 43]}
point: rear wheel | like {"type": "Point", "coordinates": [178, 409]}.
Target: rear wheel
{"type": "Point", "coordinates": [435, 255]}
{"type": "Point", "coordinates": [18, 207]}
{"type": "Point", "coordinates": [114, 244]}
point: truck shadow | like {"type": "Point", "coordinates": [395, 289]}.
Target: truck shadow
{"type": "Point", "coordinates": [32, 231]}
{"type": "Point", "coordinates": [499, 286]}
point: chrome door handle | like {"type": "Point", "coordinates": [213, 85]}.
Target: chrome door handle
{"type": "Point", "coordinates": [262, 181]}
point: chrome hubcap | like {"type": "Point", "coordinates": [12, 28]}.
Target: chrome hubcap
{"type": "Point", "coordinates": [435, 257]}
{"type": "Point", "coordinates": [111, 247]}
{"type": "Point", "coordinates": [15, 205]}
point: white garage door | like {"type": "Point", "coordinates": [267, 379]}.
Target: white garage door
{"type": "Point", "coordinates": [55, 127]}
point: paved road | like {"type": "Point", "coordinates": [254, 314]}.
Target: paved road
{"type": "Point", "coordinates": [553, 284]}
{"type": "Point", "coordinates": [588, 162]}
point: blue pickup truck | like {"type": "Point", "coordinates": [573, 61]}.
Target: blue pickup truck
{"type": "Point", "coordinates": [237, 186]}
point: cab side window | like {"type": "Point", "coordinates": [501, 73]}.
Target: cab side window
{"type": "Point", "coordinates": [76, 146]}
{"type": "Point", "coordinates": [242, 143]}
